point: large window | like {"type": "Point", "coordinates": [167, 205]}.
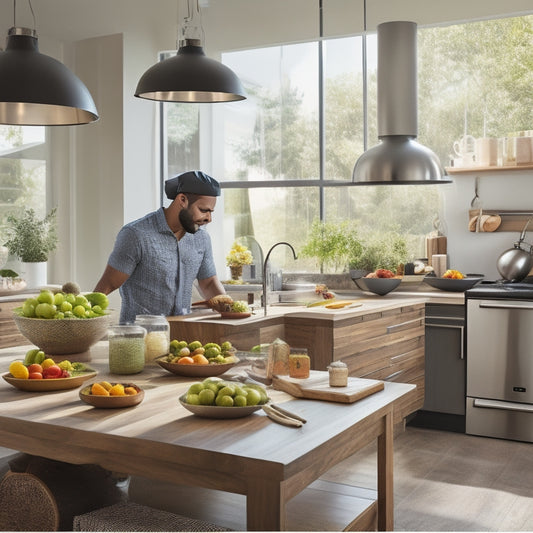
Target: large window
{"type": "Point", "coordinates": [22, 172]}
{"type": "Point", "coordinates": [284, 153]}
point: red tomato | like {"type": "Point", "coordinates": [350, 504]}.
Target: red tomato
{"type": "Point", "coordinates": [52, 372]}
{"type": "Point", "coordinates": [35, 368]}
{"type": "Point", "coordinates": [35, 375]}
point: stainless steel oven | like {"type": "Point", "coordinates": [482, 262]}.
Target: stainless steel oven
{"type": "Point", "coordinates": [499, 347]}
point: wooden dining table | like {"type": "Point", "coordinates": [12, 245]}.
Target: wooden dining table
{"type": "Point", "coordinates": [159, 439]}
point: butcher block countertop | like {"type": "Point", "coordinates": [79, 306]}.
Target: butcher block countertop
{"type": "Point", "coordinates": [368, 304]}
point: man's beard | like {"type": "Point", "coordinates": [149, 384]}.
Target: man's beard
{"type": "Point", "coordinates": [187, 221]}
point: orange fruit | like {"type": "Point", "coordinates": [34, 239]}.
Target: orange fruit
{"type": "Point", "coordinates": [130, 391]}
{"type": "Point", "coordinates": [98, 390]}
{"type": "Point", "coordinates": [200, 359]}
{"type": "Point", "coordinates": [117, 390]}
{"type": "Point", "coordinates": [186, 361]}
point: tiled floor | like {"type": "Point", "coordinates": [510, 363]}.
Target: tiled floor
{"type": "Point", "coordinates": [447, 481]}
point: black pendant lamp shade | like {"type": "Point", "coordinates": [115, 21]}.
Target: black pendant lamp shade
{"type": "Point", "coordinates": [190, 76]}
{"type": "Point", "coordinates": [38, 90]}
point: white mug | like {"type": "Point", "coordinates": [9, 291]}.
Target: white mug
{"type": "Point", "coordinates": [524, 150]}
{"type": "Point", "coordinates": [486, 152]}
{"type": "Point", "coordinates": [465, 146]}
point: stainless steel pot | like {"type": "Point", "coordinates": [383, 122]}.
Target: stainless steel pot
{"type": "Point", "coordinates": [515, 263]}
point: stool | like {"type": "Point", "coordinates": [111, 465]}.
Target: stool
{"type": "Point", "coordinates": [129, 516]}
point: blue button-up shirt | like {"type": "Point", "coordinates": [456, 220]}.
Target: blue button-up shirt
{"type": "Point", "coordinates": [161, 269]}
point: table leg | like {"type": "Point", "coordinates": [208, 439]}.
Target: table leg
{"type": "Point", "coordinates": [265, 506]}
{"type": "Point", "coordinates": [385, 476]}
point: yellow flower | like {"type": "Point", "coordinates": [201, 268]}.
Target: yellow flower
{"type": "Point", "coordinates": [239, 255]}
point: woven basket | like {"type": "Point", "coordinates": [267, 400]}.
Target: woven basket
{"type": "Point", "coordinates": [27, 504]}
{"type": "Point", "coordinates": [61, 337]}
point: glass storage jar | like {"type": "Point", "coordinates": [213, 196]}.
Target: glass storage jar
{"type": "Point", "coordinates": [157, 340]}
{"type": "Point", "coordinates": [126, 349]}
{"type": "Point", "coordinates": [338, 374]}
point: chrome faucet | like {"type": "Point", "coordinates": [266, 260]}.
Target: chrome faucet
{"type": "Point", "coordinates": [265, 264]}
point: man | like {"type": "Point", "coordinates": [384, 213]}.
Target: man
{"type": "Point", "coordinates": [156, 259]}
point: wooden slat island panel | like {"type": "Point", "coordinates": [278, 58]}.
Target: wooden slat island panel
{"type": "Point", "coordinates": [382, 339]}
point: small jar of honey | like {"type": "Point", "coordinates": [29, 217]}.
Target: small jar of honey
{"type": "Point", "coordinates": [299, 363]}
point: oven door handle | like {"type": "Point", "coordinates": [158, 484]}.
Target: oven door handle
{"type": "Point", "coordinates": [486, 305]}
{"type": "Point", "coordinates": [507, 406]}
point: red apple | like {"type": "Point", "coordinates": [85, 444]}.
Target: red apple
{"type": "Point", "coordinates": [52, 372]}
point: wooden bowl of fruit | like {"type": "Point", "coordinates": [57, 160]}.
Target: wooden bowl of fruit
{"type": "Point", "coordinates": [104, 394]}
{"type": "Point", "coordinates": [195, 359]}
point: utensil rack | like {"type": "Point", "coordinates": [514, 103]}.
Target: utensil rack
{"type": "Point", "coordinates": [512, 220]}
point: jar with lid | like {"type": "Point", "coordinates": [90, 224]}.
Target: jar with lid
{"type": "Point", "coordinates": [126, 349]}
{"type": "Point", "coordinates": [157, 340]}
{"type": "Point", "coordinates": [338, 374]}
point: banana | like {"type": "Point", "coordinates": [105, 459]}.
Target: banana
{"type": "Point", "coordinates": [321, 303]}
{"type": "Point", "coordinates": [342, 303]}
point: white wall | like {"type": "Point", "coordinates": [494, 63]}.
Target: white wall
{"type": "Point", "coordinates": [106, 173]}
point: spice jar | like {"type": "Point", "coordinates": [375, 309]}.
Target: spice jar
{"type": "Point", "coordinates": [338, 374]}
{"type": "Point", "coordinates": [157, 340]}
{"type": "Point", "coordinates": [299, 363]}
{"type": "Point", "coordinates": [126, 349]}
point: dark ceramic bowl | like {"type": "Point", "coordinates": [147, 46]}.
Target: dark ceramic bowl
{"type": "Point", "coordinates": [380, 286]}
{"type": "Point", "coordinates": [452, 285]}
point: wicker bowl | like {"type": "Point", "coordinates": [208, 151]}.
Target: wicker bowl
{"type": "Point", "coordinates": [65, 336]}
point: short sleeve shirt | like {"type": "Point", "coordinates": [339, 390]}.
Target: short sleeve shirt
{"type": "Point", "coordinates": [161, 269]}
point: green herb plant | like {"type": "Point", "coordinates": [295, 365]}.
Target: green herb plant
{"type": "Point", "coordinates": [380, 251]}
{"type": "Point", "coordinates": [32, 239]}
{"type": "Point", "coordinates": [332, 244]}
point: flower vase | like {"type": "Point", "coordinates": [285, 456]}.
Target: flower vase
{"type": "Point", "coordinates": [236, 272]}
{"type": "Point", "coordinates": [34, 274]}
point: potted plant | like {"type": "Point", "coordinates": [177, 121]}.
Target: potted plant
{"type": "Point", "coordinates": [379, 251]}
{"type": "Point", "coordinates": [238, 256]}
{"type": "Point", "coordinates": [32, 240]}
{"type": "Point", "coordinates": [332, 244]}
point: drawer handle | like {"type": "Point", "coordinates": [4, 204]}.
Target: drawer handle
{"type": "Point", "coordinates": [450, 318]}
{"type": "Point", "coordinates": [451, 326]}
{"type": "Point", "coordinates": [390, 329]}
{"type": "Point", "coordinates": [393, 375]}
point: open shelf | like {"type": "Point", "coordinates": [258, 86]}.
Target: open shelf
{"type": "Point", "coordinates": [458, 170]}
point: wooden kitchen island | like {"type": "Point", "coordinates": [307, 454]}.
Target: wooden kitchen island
{"type": "Point", "coordinates": [269, 463]}
{"type": "Point", "coordinates": [383, 338]}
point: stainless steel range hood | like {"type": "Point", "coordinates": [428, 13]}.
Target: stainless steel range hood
{"type": "Point", "coordinates": [398, 158]}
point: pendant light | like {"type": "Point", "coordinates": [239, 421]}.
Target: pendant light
{"type": "Point", "coordinates": [36, 89]}
{"type": "Point", "coordinates": [190, 76]}
{"type": "Point", "coordinates": [398, 158]}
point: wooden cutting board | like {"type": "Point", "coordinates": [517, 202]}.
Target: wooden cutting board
{"type": "Point", "coordinates": [436, 245]}
{"type": "Point", "coordinates": [316, 387]}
